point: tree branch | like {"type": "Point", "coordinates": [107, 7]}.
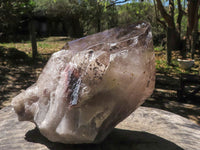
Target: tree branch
{"type": "Point", "coordinates": [162, 22]}
{"type": "Point", "coordinates": [180, 16]}
{"type": "Point", "coordinates": [184, 12]}
{"type": "Point", "coordinates": [164, 14]}
{"type": "Point", "coordinates": [156, 13]}
{"type": "Point", "coordinates": [116, 2]}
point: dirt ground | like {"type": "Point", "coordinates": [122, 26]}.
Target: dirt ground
{"type": "Point", "coordinates": [17, 76]}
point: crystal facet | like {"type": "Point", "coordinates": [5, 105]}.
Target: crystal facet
{"type": "Point", "coordinates": [91, 85]}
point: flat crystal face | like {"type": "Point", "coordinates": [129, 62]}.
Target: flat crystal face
{"type": "Point", "coordinates": [91, 85]}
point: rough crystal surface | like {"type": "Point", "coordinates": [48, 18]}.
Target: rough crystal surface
{"type": "Point", "coordinates": [91, 85]}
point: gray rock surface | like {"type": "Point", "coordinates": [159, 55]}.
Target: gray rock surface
{"type": "Point", "coordinates": [144, 129]}
{"type": "Point", "coordinates": [91, 85]}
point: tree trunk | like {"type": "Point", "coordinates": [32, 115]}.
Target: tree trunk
{"type": "Point", "coordinates": [99, 24]}
{"type": "Point", "coordinates": [169, 18]}
{"type": "Point", "coordinates": [64, 28]}
{"type": "Point", "coordinates": [180, 16]}
{"type": "Point", "coordinates": [193, 7]}
{"type": "Point", "coordinates": [77, 30]}
{"type": "Point", "coordinates": [98, 16]}
{"type": "Point", "coordinates": [173, 36]}
{"type": "Point", "coordinates": [194, 39]}
{"type": "Point", "coordinates": [33, 39]}
{"type": "Point", "coordinates": [173, 42]}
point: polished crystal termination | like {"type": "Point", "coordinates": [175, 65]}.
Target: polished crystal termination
{"type": "Point", "coordinates": [91, 85]}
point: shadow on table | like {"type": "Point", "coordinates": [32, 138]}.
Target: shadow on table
{"type": "Point", "coordinates": [117, 140]}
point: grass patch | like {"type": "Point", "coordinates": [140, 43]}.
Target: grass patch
{"type": "Point", "coordinates": [45, 45]}
{"type": "Point", "coordinates": [173, 69]}
{"type": "Point", "coordinates": [158, 48]}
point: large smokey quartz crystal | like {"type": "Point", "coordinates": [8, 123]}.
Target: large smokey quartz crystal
{"type": "Point", "coordinates": [91, 85]}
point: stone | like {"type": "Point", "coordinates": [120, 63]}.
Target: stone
{"type": "Point", "coordinates": [91, 85]}
{"type": "Point", "coordinates": [146, 128]}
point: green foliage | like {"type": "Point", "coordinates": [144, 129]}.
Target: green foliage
{"type": "Point", "coordinates": [133, 12]}
{"type": "Point", "coordinates": [136, 11]}
{"type": "Point", "coordinates": [11, 10]}
{"type": "Point", "coordinates": [57, 7]}
{"type": "Point", "coordinates": [77, 16]}
{"type": "Point", "coordinates": [86, 16]}
{"type": "Point", "coordinates": [97, 17]}
{"type": "Point", "coordinates": [13, 13]}
{"type": "Point", "coordinates": [163, 67]}
{"type": "Point", "coordinates": [158, 48]}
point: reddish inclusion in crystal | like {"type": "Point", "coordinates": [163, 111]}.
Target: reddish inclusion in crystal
{"type": "Point", "coordinates": [73, 81]}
